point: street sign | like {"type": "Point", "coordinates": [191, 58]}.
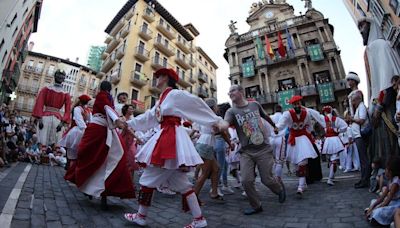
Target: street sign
{"type": "Point", "coordinates": [284, 97]}
{"type": "Point", "coordinates": [326, 94]}
{"type": "Point", "coordinates": [315, 52]}
{"type": "Point", "coordinates": [248, 69]}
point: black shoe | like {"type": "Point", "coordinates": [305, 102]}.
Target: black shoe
{"type": "Point", "coordinates": [282, 194]}
{"type": "Point", "coordinates": [104, 205]}
{"type": "Point", "coordinates": [359, 182]}
{"type": "Point", "coordinates": [251, 211]}
{"type": "Point", "coordinates": [361, 185]}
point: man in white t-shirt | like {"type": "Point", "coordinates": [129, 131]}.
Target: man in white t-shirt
{"type": "Point", "coordinates": [358, 122]}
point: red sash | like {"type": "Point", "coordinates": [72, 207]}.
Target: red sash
{"type": "Point", "coordinates": [330, 132]}
{"type": "Point", "coordinates": [298, 132]}
{"type": "Point", "coordinates": [166, 144]}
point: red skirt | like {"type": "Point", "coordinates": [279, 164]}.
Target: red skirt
{"type": "Point", "coordinates": [92, 153]}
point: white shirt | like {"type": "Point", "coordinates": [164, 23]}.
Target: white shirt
{"type": "Point", "coordinates": [276, 117]}
{"type": "Point", "coordinates": [78, 118]}
{"type": "Point", "coordinates": [360, 113]}
{"type": "Point", "coordinates": [287, 121]}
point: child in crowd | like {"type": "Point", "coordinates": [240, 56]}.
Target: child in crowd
{"type": "Point", "coordinates": [382, 210]}
{"type": "Point", "coordinates": [377, 179]}
{"type": "Point", "coordinates": [233, 157]}
{"type": "Point", "coordinates": [33, 152]}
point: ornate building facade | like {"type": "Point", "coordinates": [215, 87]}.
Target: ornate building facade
{"type": "Point", "coordinates": [283, 54]}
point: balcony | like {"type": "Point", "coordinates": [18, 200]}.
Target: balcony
{"type": "Point", "coordinates": [24, 107]}
{"type": "Point", "coordinates": [157, 63]}
{"type": "Point", "coordinates": [269, 98]}
{"type": "Point", "coordinates": [203, 77]}
{"type": "Point", "coordinates": [125, 31]}
{"type": "Point", "coordinates": [100, 75]}
{"type": "Point", "coordinates": [137, 79]}
{"type": "Point", "coordinates": [153, 86]}
{"type": "Point", "coordinates": [50, 72]}
{"type": "Point", "coordinates": [330, 45]}
{"type": "Point", "coordinates": [164, 47]}
{"type": "Point", "coordinates": [104, 55]}
{"type": "Point", "coordinates": [108, 63]}
{"type": "Point", "coordinates": [112, 45]}
{"type": "Point", "coordinates": [340, 85]}
{"type": "Point", "coordinates": [145, 33]}
{"type": "Point", "coordinates": [183, 44]}
{"type": "Point", "coordinates": [166, 29]}
{"type": "Point", "coordinates": [192, 62]}
{"type": "Point", "coordinates": [309, 90]}
{"type": "Point", "coordinates": [129, 14]}
{"type": "Point", "coordinates": [117, 27]}
{"type": "Point", "coordinates": [115, 76]}
{"type": "Point", "coordinates": [35, 70]}
{"type": "Point", "coordinates": [120, 52]}
{"type": "Point", "coordinates": [108, 39]}
{"type": "Point", "coordinates": [184, 81]}
{"type": "Point", "coordinates": [202, 93]}
{"type": "Point", "coordinates": [192, 79]}
{"type": "Point", "coordinates": [182, 61]}
{"type": "Point", "coordinates": [28, 89]}
{"type": "Point", "coordinates": [213, 87]}
{"type": "Point", "coordinates": [148, 14]}
{"type": "Point", "coordinates": [299, 52]}
{"type": "Point", "coordinates": [141, 54]}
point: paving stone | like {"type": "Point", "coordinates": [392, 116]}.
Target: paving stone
{"type": "Point", "coordinates": [15, 223]}
{"type": "Point", "coordinates": [54, 224]}
{"type": "Point", "coordinates": [22, 214]}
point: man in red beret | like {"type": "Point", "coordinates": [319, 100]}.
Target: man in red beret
{"type": "Point", "coordinates": [332, 145]}
{"type": "Point", "coordinates": [300, 143]}
{"type": "Point", "coordinates": [169, 153]}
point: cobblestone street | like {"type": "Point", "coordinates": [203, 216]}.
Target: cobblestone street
{"type": "Point", "coordinates": [46, 200]}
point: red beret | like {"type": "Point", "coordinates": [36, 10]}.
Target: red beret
{"type": "Point", "coordinates": [327, 109]}
{"type": "Point", "coordinates": [295, 99]}
{"type": "Point", "coordinates": [167, 71]}
{"type": "Point", "coordinates": [187, 124]}
{"type": "Point", "coordinates": [85, 98]}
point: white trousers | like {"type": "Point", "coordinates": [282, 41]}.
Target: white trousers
{"type": "Point", "coordinates": [48, 134]}
{"type": "Point", "coordinates": [176, 180]}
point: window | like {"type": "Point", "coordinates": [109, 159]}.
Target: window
{"type": "Point", "coordinates": [178, 71]}
{"type": "Point", "coordinates": [166, 42]}
{"type": "Point", "coordinates": [286, 84]}
{"type": "Point", "coordinates": [394, 4]}
{"type": "Point", "coordinates": [178, 53]}
{"type": "Point", "coordinates": [138, 67]}
{"type": "Point", "coordinates": [156, 57]}
{"type": "Point", "coordinates": [30, 63]}
{"type": "Point", "coordinates": [165, 62]}
{"type": "Point", "coordinates": [206, 64]}
{"type": "Point", "coordinates": [201, 58]}
{"type": "Point", "coordinates": [322, 77]}
{"type": "Point", "coordinates": [360, 11]}
{"type": "Point", "coordinates": [135, 94]}
{"type": "Point", "coordinates": [2, 44]}
{"type": "Point", "coordinates": [25, 12]}
{"type": "Point", "coordinates": [159, 38]}
{"type": "Point", "coordinates": [14, 18]}
{"type": "Point", "coordinates": [4, 57]}
{"type": "Point", "coordinates": [39, 66]}
{"type": "Point", "coordinates": [141, 47]}
{"type": "Point", "coordinates": [51, 69]}
{"type": "Point", "coordinates": [145, 26]}
{"type": "Point", "coordinates": [161, 21]}
{"type": "Point", "coordinates": [15, 31]}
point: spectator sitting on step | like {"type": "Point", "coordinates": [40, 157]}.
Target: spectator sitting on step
{"type": "Point", "coordinates": [33, 152]}
{"type": "Point", "coordinates": [377, 179]}
{"type": "Point", "coordinates": [58, 157]}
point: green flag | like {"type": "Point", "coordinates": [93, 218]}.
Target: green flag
{"type": "Point", "coordinates": [260, 48]}
{"type": "Point", "coordinates": [315, 52]}
{"type": "Point", "coordinates": [284, 97]}
{"type": "Point", "coordinates": [326, 93]}
{"type": "Point", "coordinates": [248, 69]}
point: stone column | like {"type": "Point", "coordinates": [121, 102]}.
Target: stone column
{"type": "Point", "coordinates": [303, 82]}
{"type": "Point", "coordinates": [260, 82]}
{"type": "Point", "coordinates": [308, 73]}
{"type": "Point", "coordinates": [331, 67]}
{"type": "Point", "coordinates": [339, 67]}
{"type": "Point", "coordinates": [298, 38]}
{"type": "Point", "coordinates": [328, 37]}
{"type": "Point", "coordinates": [320, 34]}
{"type": "Point", "coordinates": [267, 87]}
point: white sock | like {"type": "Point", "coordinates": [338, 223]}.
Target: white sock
{"type": "Point", "coordinates": [331, 172]}
{"type": "Point", "coordinates": [278, 170]}
{"type": "Point", "coordinates": [143, 210]}
{"type": "Point", "coordinates": [302, 182]}
{"type": "Point", "coordinates": [194, 205]}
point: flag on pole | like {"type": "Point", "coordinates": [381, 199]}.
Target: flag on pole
{"type": "Point", "coordinates": [259, 48]}
{"type": "Point", "coordinates": [269, 48]}
{"type": "Point", "coordinates": [281, 47]}
{"type": "Point", "coordinates": [289, 43]}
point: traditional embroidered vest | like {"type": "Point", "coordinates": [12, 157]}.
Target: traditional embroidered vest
{"type": "Point", "coordinates": [330, 127]}
{"type": "Point", "coordinates": [298, 128]}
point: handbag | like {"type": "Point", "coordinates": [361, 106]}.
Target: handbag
{"type": "Point", "coordinates": [367, 130]}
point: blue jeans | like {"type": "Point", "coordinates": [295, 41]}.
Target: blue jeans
{"type": "Point", "coordinates": [220, 150]}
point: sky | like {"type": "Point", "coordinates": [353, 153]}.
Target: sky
{"type": "Point", "coordinates": [67, 29]}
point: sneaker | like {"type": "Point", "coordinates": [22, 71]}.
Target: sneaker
{"type": "Point", "coordinates": [136, 218]}
{"type": "Point", "coordinates": [299, 193]}
{"type": "Point", "coordinates": [252, 211]}
{"type": "Point", "coordinates": [237, 185]}
{"type": "Point", "coordinates": [330, 182]}
{"type": "Point", "coordinates": [218, 191]}
{"type": "Point", "coordinates": [196, 223]}
{"type": "Point", "coordinates": [244, 194]}
{"type": "Point", "coordinates": [227, 190]}
{"type": "Point", "coordinates": [347, 170]}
